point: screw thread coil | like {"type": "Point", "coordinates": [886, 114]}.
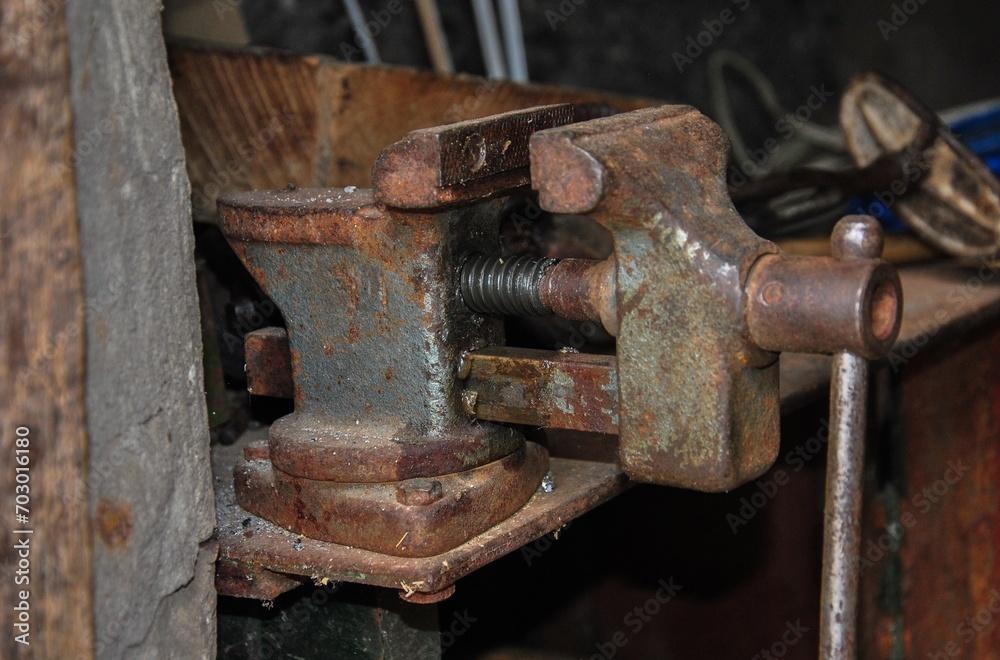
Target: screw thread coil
{"type": "Point", "coordinates": [505, 285]}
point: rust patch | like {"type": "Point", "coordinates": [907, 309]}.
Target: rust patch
{"type": "Point", "coordinates": [113, 521]}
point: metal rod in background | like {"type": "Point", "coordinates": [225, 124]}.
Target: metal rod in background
{"type": "Point", "coordinates": [358, 23]}
{"type": "Point", "coordinates": [854, 237]}
{"type": "Point", "coordinates": [489, 39]}
{"type": "Point", "coordinates": [437, 41]}
{"type": "Point", "coordinates": [513, 39]}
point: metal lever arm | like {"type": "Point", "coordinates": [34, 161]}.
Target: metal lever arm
{"type": "Point", "coordinates": [855, 238]}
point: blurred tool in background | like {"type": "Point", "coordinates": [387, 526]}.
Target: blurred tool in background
{"type": "Point", "coordinates": [895, 159]}
{"type": "Point", "coordinates": [437, 41]}
{"type": "Point", "coordinates": [361, 30]}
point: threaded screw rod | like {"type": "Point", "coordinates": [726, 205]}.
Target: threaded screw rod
{"type": "Point", "coordinates": [505, 285]}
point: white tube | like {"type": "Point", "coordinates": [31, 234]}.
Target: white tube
{"type": "Point", "coordinates": [358, 22]}
{"type": "Point", "coordinates": [513, 38]}
{"type": "Point", "coordinates": [489, 39]}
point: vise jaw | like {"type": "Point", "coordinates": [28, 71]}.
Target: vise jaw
{"type": "Point", "coordinates": [698, 400]}
{"type": "Point", "coordinates": [703, 304]}
{"type": "Point", "coordinates": [392, 299]}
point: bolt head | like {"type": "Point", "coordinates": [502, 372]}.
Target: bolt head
{"type": "Point", "coordinates": [418, 492]}
{"type": "Point", "coordinates": [422, 598]}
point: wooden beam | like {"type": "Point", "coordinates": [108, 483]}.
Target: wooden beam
{"type": "Point", "coordinates": [41, 345]}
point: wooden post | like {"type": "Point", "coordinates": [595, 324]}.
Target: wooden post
{"type": "Point", "coordinates": [46, 585]}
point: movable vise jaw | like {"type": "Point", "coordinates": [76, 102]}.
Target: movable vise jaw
{"type": "Point", "coordinates": [393, 300]}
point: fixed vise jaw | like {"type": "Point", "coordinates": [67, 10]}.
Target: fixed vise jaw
{"type": "Point", "coordinates": [379, 453]}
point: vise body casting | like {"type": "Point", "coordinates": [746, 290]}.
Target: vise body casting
{"type": "Point", "coordinates": [405, 392]}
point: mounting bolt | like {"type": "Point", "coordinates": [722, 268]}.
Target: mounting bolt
{"type": "Point", "coordinates": [418, 492]}
{"type": "Point", "coordinates": [427, 599]}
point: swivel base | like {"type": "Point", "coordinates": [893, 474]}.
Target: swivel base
{"type": "Point", "coordinates": [417, 517]}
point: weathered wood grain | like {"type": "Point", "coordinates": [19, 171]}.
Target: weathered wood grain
{"type": "Point", "coordinates": [42, 310]}
{"type": "Point", "coordinates": [256, 119]}
{"type": "Point", "coordinates": [150, 483]}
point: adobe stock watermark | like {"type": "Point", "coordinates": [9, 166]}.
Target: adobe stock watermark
{"type": "Point", "coordinates": [562, 12]}
{"type": "Point", "coordinates": [87, 144]}
{"type": "Point", "coordinates": [468, 106]}
{"type": "Point", "coordinates": [916, 163]}
{"type": "Point", "coordinates": [792, 635]}
{"type": "Point", "coordinates": [958, 298]}
{"type": "Point", "coordinates": [784, 128]}
{"type": "Point", "coordinates": [225, 7]}
{"type": "Point", "coordinates": [968, 628]}
{"type": "Point", "coordinates": [898, 17]}
{"type": "Point", "coordinates": [54, 345]}
{"type": "Point", "coordinates": [460, 623]}
{"type": "Point", "coordinates": [696, 45]}
{"type": "Point", "coordinates": [22, 532]}
{"type": "Point", "coordinates": [533, 551]}
{"type": "Point", "coordinates": [795, 459]}
{"type": "Point", "coordinates": [250, 315]}
{"type": "Point", "coordinates": [929, 497]}
{"type": "Point", "coordinates": [637, 618]}
{"type": "Point", "coordinates": [292, 620]}
{"type": "Point", "coordinates": [39, 21]}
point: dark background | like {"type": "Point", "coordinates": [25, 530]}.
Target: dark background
{"type": "Point", "coordinates": [945, 52]}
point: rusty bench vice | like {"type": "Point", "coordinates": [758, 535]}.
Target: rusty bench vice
{"type": "Point", "coordinates": [400, 442]}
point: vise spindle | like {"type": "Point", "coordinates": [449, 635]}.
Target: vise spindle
{"type": "Point", "coordinates": [403, 439]}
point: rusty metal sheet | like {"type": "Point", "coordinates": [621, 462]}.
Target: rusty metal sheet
{"type": "Point", "coordinates": [480, 149]}
{"type": "Point", "coordinates": [931, 554]}
{"type": "Point", "coordinates": [234, 578]}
